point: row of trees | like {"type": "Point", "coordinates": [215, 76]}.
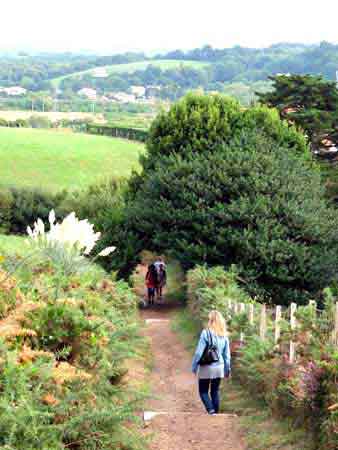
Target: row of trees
{"type": "Point", "coordinates": [256, 64]}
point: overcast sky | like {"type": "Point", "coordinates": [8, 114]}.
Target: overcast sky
{"type": "Point", "coordinates": [119, 25]}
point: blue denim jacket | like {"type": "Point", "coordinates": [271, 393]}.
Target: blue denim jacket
{"type": "Point", "coordinates": [223, 347]}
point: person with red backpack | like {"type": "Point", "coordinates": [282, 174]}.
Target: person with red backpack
{"type": "Point", "coordinates": [151, 283]}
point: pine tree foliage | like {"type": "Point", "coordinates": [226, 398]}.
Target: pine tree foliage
{"type": "Point", "coordinates": [308, 101]}
{"type": "Point", "coordinates": [251, 202]}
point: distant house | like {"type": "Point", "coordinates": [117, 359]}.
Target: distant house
{"type": "Point", "coordinates": [14, 91]}
{"type": "Point", "coordinates": [89, 93]}
{"type": "Point", "coordinates": [138, 91]}
{"type": "Point", "coordinates": [100, 72]}
{"type": "Point", "coordinates": [122, 97]}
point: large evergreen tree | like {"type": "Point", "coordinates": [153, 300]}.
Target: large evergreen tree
{"type": "Point", "coordinates": [223, 185]}
{"type": "Point", "coordinates": [249, 202]}
{"type": "Point", "coordinates": [308, 101]}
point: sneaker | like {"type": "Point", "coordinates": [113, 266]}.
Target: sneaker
{"type": "Point", "coordinates": [212, 412]}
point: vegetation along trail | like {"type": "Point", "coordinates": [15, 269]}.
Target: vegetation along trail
{"type": "Point", "coordinates": [183, 425]}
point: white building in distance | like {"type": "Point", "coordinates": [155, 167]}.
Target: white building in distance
{"type": "Point", "coordinates": [122, 97]}
{"type": "Point", "coordinates": [88, 93]}
{"type": "Point", "coordinates": [14, 91]}
{"type": "Point", "coordinates": [138, 91]}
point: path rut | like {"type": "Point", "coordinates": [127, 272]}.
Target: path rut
{"type": "Point", "coordinates": [185, 425]}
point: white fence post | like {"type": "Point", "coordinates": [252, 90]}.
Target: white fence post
{"type": "Point", "coordinates": [277, 323]}
{"type": "Point", "coordinates": [313, 305]}
{"type": "Point", "coordinates": [293, 324]}
{"type": "Point", "coordinates": [251, 313]}
{"type": "Point", "coordinates": [262, 325]}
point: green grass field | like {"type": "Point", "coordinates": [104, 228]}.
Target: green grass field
{"type": "Point", "coordinates": [54, 160]}
{"type": "Point", "coordinates": [133, 67]}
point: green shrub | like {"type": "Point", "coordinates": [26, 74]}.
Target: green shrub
{"type": "Point", "coordinates": [211, 288]}
{"type": "Point", "coordinates": [29, 204]}
{"type": "Point", "coordinates": [22, 123]}
{"type": "Point", "coordinates": [63, 362]}
{"type": "Point", "coordinates": [6, 211]}
{"type": "Point", "coordinates": [39, 122]}
{"type": "Point", "coordinates": [199, 123]}
{"type": "Point", "coordinates": [249, 203]}
{"type": "Point", "coordinates": [59, 325]}
{"type": "Point", "coordinates": [134, 134]}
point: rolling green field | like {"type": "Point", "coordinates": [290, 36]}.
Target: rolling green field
{"type": "Point", "coordinates": [133, 67]}
{"type": "Point", "coordinates": [54, 160]}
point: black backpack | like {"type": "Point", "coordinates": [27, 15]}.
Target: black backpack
{"type": "Point", "coordinates": [210, 354]}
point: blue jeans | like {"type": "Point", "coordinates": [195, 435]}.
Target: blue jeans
{"type": "Point", "coordinates": [211, 404]}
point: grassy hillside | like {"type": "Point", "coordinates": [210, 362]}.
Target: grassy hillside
{"type": "Point", "coordinates": [55, 160]}
{"type": "Point", "coordinates": [133, 67]}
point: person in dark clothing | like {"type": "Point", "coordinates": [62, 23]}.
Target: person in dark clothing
{"type": "Point", "coordinates": [161, 281]}
{"type": "Point", "coordinates": [151, 283]}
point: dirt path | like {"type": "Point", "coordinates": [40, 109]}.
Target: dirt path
{"type": "Point", "coordinates": [185, 425]}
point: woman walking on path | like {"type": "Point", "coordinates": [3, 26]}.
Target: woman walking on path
{"type": "Point", "coordinates": [212, 361]}
{"type": "Point", "coordinates": [151, 283]}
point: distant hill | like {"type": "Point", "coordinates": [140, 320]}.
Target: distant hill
{"type": "Point", "coordinates": [237, 70]}
{"type": "Point", "coordinates": [164, 64]}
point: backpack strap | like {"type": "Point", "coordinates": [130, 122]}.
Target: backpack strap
{"type": "Point", "coordinates": [210, 340]}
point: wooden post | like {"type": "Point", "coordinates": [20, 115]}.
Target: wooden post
{"type": "Point", "coordinates": [313, 309]}
{"type": "Point", "coordinates": [251, 314]}
{"type": "Point", "coordinates": [277, 323]}
{"type": "Point", "coordinates": [335, 330]}
{"type": "Point", "coordinates": [262, 325]}
{"type": "Point", "coordinates": [293, 324]}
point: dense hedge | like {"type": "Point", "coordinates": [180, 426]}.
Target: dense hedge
{"type": "Point", "coordinates": [20, 207]}
{"type": "Point", "coordinates": [133, 134]}
{"type": "Point", "coordinates": [36, 121]}
{"type": "Point", "coordinates": [249, 202]}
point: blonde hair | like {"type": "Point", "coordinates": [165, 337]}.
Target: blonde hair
{"type": "Point", "coordinates": [217, 323]}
